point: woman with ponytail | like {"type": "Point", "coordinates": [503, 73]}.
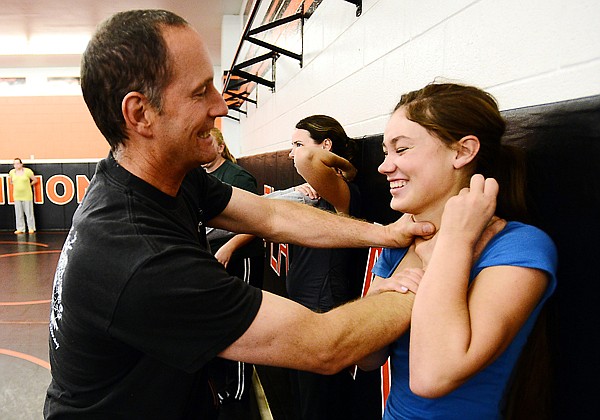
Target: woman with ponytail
{"type": "Point", "coordinates": [480, 285]}
{"type": "Point", "coordinates": [322, 279]}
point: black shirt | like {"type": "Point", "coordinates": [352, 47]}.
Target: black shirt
{"type": "Point", "coordinates": [139, 304]}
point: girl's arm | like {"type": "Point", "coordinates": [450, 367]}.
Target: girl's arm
{"type": "Point", "coordinates": [223, 254]}
{"type": "Point", "coordinates": [327, 173]}
{"type": "Point", "coordinates": [457, 330]}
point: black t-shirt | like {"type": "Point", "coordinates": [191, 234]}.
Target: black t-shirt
{"type": "Point", "coordinates": [323, 278]}
{"type": "Point", "coordinates": [139, 304]}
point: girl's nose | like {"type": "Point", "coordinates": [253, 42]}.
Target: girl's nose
{"type": "Point", "coordinates": [385, 166]}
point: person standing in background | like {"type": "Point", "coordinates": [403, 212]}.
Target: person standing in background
{"type": "Point", "coordinates": [322, 279]}
{"type": "Point", "coordinates": [234, 379]}
{"type": "Point", "coordinates": [22, 179]}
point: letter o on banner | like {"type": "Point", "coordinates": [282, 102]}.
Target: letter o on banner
{"type": "Point", "coordinates": [68, 189]}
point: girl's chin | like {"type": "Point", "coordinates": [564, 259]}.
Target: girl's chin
{"type": "Point", "coordinates": [395, 205]}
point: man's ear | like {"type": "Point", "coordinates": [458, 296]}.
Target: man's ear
{"type": "Point", "coordinates": [137, 113]}
{"type": "Point", "coordinates": [327, 144]}
{"type": "Point", "coordinates": [466, 150]}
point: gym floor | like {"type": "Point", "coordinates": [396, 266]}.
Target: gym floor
{"type": "Point", "coordinates": [27, 264]}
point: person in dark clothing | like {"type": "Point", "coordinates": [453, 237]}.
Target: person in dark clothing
{"type": "Point", "coordinates": [321, 278]}
{"type": "Point", "coordinates": [233, 380]}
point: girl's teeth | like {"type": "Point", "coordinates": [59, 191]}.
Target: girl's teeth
{"type": "Point", "coordinates": [397, 184]}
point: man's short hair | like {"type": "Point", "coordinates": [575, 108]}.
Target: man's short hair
{"type": "Point", "coordinates": [126, 54]}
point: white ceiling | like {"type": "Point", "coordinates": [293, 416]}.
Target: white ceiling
{"type": "Point", "coordinates": [48, 18]}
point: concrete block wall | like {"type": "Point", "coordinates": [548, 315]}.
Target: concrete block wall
{"type": "Point", "coordinates": [355, 68]}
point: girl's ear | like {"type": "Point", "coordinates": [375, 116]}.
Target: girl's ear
{"type": "Point", "coordinates": [466, 150]}
{"type": "Point", "coordinates": [327, 144]}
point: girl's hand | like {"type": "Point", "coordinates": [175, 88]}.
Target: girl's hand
{"type": "Point", "coordinates": [349, 174]}
{"type": "Point", "coordinates": [223, 255]}
{"type": "Point", "coordinates": [307, 190]}
{"type": "Point", "coordinates": [467, 214]}
{"type": "Point", "coordinates": [402, 282]}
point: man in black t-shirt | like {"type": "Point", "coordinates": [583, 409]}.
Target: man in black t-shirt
{"type": "Point", "coordinates": [140, 306]}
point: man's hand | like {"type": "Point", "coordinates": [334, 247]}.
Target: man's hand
{"type": "Point", "coordinates": [404, 230]}
{"type": "Point", "coordinates": [403, 281]}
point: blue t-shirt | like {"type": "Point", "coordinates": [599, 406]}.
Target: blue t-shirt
{"type": "Point", "coordinates": [481, 396]}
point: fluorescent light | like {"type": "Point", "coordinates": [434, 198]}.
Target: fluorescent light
{"type": "Point", "coordinates": [43, 44]}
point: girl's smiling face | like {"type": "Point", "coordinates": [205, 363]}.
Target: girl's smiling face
{"type": "Point", "coordinates": [419, 168]}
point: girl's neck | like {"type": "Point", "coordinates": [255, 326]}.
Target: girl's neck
{"type": "Point", "coordinates": [215, 164]}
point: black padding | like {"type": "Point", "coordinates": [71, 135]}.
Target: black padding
{"type": "Point", "coordinates": [562, 143]}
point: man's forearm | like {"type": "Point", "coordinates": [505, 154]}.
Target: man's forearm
{"type": "Point", "coordinates": [368, 325]}
{"type": "Point", "coordinates": [315, 228]}
{"type": "Point", "coordinates": [287, 222]}
{"type": "Point", "coordinates": [286, 334]}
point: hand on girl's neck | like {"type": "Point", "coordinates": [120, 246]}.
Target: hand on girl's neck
{"type": "Point", "coordinates": [434, 217]}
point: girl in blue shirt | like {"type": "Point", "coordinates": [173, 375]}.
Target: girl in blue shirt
{"type": "Point", "coordinates": [483, 281]}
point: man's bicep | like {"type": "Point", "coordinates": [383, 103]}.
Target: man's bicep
{"type": "Point", "coordinates": [245, 213]}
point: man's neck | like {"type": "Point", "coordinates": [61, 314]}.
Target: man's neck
{"type": "Point", "coordinates": [151, 171]}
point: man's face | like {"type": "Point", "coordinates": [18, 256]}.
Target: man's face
{"type": "Point", "coordinates": [190, 102]}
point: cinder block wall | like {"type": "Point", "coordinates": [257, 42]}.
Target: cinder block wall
{"type": "Point", "coordinates": [525, 53]}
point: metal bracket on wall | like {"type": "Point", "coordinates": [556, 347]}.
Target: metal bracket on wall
{"type": "Point", "coordinates": [236, 78]}
{"type": "Point", "coordinates": [358, 4]}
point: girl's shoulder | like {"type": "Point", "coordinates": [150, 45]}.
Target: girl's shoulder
{"type": "Point", "coordinates": [522, 245]}
{"type": "Point", "coordinates": [523, 236]}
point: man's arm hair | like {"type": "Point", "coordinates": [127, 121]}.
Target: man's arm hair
{"type": "Point", "coordinates": [286, 222]}
{"type": "Point", "coordinates": [287, 334]}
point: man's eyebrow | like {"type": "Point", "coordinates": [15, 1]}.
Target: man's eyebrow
{"type": "Point", "coordinates": [205, 83]}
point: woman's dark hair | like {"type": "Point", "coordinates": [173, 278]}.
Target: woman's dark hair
{"type": "Point", "coordinates": [450, 112]}
{"type": "Point", "coordinates": [126, 54]}
{"type": "Point", "coordinates": [321, 127]}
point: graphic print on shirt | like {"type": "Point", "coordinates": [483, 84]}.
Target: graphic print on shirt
{"type": "Point", "coordinates": [57, 308]}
